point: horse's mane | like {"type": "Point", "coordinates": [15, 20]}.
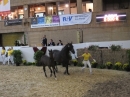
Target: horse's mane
{"type": "Point", "coordinates": [64, 47]}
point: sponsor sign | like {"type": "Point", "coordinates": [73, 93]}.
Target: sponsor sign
{"type": "Point", "coordinates": [73, 19]}
{"type": "Point", "coordinates": [4, 7]}
{"type": "Point", "coordinates": [111, 17]}
{"type": "Point", "coordinates": [13, 22]}
{"type": "Point", "coordinates": [49, 21]}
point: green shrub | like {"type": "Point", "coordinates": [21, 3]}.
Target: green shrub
{"type": "Point", "coordinates": [102, 66]}
{"type": "Point", "coordinates": [108, 65]}
{"type": "Point", "coordinates": [118, 66]}
{"type": "Point", "coordinates": [80, 64]}
{"type": "Point", "coordinates": [115, 47]}
{"type": "Point", "coordinates": [17, 54]}
{"type": "Point", "coordinates": [37, 56]}
{"type": "Point", "coordinates": [125, 66]}
{"type": "Point", "coordinates": [93, 47]}
{"type": "Point", "coordinates": [28, 63]}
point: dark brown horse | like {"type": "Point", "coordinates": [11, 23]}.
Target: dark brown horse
{"type": "Point", "coordinates": [48, 61]}
{"type": "Point", "coordinates": [63, 56]}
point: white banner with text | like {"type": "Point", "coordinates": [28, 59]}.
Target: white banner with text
{"type": "Point", "coordinates": [72, 19]}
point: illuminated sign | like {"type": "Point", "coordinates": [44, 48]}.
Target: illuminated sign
{"type": "Point", "coordinates": [111, 17]}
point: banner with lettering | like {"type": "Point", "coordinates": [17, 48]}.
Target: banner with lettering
{"type": "Point", "coordinates": [72, 19]}
{"type": "Point", "coordinates": [4, 7]}
{"type": "Point", "coordinates": [49, 21]}
{"type": "Point", "coordinates": [13, 22]}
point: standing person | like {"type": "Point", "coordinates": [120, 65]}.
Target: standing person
{"type": "Point", "coordinates": [10, 56]}
{"type": "Point", "coordinates": [52, 43]}
{"type": "Point", "coordinates": [86, 56]}
{"type": "Point", "coordinates": [3, 54]}
{"type": "Point", "coordinates": [44, 41]}
{"type": "Point", "coordinates": [60, 43]}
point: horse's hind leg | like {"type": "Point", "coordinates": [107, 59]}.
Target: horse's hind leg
{"type": "Point", "coordinates": [54, 71]}
{"type": "Point", "coordinates": [56, 68]}
{"type": "Point", "coordinates": [50, 71]}
{"type": "Point", "coordinates": [44, 71]}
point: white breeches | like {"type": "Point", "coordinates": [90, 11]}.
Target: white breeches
{"type": "Point", "coordinates": [3, 58]}
{"type": "Point", "coordinates": [85, 65]}
{"type": "Point", "coordinates": [10, 58]}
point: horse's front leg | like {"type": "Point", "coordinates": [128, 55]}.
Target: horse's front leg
{"type": "Point", "coordinates": [67, 69]}
{"type": "Point", "coordinates": [44, 71]}
{"type": "Point", "coordinates": [50, 71]}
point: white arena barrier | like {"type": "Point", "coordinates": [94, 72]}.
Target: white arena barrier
{"type": "Point", "coordinates": [28, 53]}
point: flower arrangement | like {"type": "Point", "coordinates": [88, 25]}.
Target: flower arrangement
{"type": "Point", "coordinates": [108, 65]}
{"type": "Point", "coordinates": [94, 64]}
{"type": "Point", "coordinates": [74, 61]}
{"type": "Point", "coordinates": [24, 62]}
{"type": "Point", "coordinates": [125, 66]}
{"type": "Point", "coordinates": [118, 65]}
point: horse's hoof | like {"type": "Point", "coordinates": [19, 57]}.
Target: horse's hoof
{"type": "Point", "coordinates": [56, 71]}
{"type": "Point", "coordinates": [68, 73]}
{"type": "Point", "coordinates": [64, 72]}
{"type": "Point", "coordinates": [55, 78]}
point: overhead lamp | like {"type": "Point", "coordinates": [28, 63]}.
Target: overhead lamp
{"type": "Point", "coordinates": [38, 8]}
{"type": "Point", "coordinates": [66, 5]}
{"type": "Point", "coordinates": [50, 8]}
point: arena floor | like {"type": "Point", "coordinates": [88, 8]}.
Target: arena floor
{"type": "Point", "coordinates": [29, 81]}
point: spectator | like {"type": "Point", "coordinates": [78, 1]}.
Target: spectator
{"type": "Point", "coordinates": [90, 10]}
{"type": "Point", "coordinates": [51, 43]}
{"type": "Point", "coordinates": [3, 54]}
{"type": "Point", "coordinates": [44, 41]}
{"type": "Point", "coordinates": [60, 43]}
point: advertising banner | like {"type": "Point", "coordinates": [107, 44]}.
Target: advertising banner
{"type": "Point", "coordinates": [4, 7]}
{"type": "Point", "coordinates": [13, 22]}
{"type": "Point", "coordinates": [72, 19]}
{"type": "Point", "coordinates": [49, 21]}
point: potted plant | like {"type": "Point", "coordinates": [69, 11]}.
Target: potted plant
{"type": "Point", "coordinates": [37, 56]}
{"type": "Point", "coordinates": [17, 54]}
{"type": "Point", "coordinates": [94, 64]}
{"type": "Point", "coordinates": [108, 65]}
{"type": "Point", "coordinates": [74, 61]}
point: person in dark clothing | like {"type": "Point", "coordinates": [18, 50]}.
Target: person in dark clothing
{"type": "Point", "coordinates": [52, 43]}
{"type": "Point", "coordinates": [60, 43]}
{"type": "Point", "coordinates": [44, 41]}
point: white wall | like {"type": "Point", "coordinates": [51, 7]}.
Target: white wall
{"type": "Point", "coordinates": [28, 53]}
{"type": "Point", "coordinates": [89, 6]}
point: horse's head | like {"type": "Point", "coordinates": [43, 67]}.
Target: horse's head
{"type": "Point", "coordinates": [50, 53]}
{"type": "Point", "coordinates": [70, 47]}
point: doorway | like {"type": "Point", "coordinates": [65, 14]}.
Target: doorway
{"type": "Point", "coordinates": [1, 44]}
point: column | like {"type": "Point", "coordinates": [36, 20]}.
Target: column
{"type": "Point", "coordinates": [26, 11]}
{"type": "Point", "coordinates": [57, 8]}
{"type": "Point", "coordinates": [97, 5]}
{"type": "Point", "coordinates": [79, 6]}
{"type": "Point", "coordinates": [46, 9]}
